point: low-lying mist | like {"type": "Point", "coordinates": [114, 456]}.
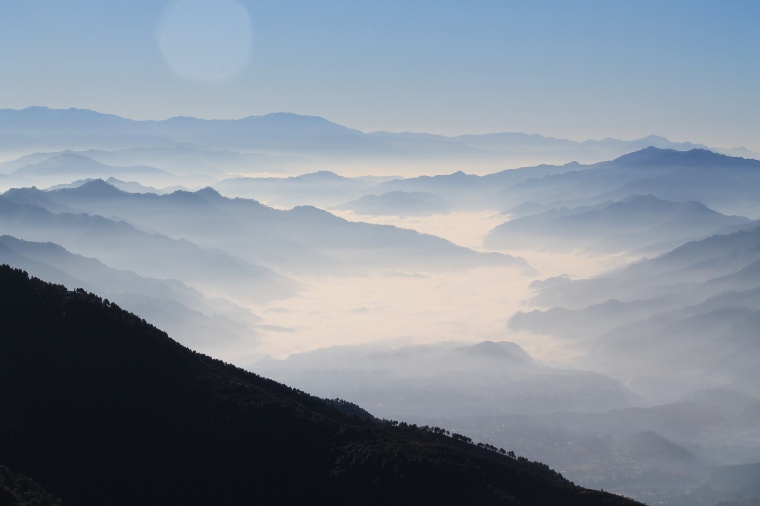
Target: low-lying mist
{"type": "Point", "coordinates": [404, 308]}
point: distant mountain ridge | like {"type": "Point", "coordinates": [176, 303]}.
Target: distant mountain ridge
{"type": "Point", "coordinates": [36, 128]}
{"type": "Point", "coordinates": [78, 165]}
{"type": "Point", "coordinates": [189, 316]}
{"type": "Point", "coordinates": [301, 238]}
{"type": "Point", "coordinates": [398, 203]}
{"type": "Point", "coordinates": [637, 222]}
{"type": "Point", "coordinates": [692, 312]}
{"type": "Point", "coordinates": [445, 380]}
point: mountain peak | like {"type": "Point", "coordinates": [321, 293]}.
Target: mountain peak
{"type": "Point", "coordinates": [95, 187]}
{"type": "Point", "coordinates": [497, 350]}
{"type": "Point", "coordinates": [321, 175]}
{"type": "Point", "coordinates": [655, 156]}
{"type": "Point", "coordinates": [209, 193]}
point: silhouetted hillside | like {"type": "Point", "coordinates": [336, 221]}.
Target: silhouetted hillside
{"type": "Point", "coordinates": [100, 407]}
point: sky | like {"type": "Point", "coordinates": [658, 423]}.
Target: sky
{"type": "Point", "coordinates": [685, 69]}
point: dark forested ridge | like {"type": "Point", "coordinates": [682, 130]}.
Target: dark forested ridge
{"type": "Point", "coordinates": [99, 407]}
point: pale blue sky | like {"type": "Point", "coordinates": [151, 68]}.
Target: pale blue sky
{"type": "Point", "coordinates": [688, 70]}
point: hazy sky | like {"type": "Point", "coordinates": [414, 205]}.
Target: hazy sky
{"type": "Point", "coordinates": [688, 70]}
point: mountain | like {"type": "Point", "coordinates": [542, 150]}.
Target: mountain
{"type": "Point", "coordinates": [635, 223]}
{"type": "Point", "coordinates": [124, 246]}
{"type": "Point", "coordinates": [445, 380]}
{"type": "Point", "coordinates": [127, 186]}
{"type": "Point", "coordinates": [213, 326]}
{"type": "Point", "coordinates": [497, 350]}
{"type": "Point", "coordinates": [662, 454]}
{"type": "Point", "coordinates": [678, 322]}
{"type": "Point", "coordinates": [469, 191]}
{"type": "Point", "coordinates": [726, 184]}
{"type": "Point", "coordinates": [85, 129]}
{"type": "Point", "coordinates": [721, 262]}
{"type": "Point", "coordinates": [303, 239]}
{"type": "Point", "coordinates": [71, 165]}
{"type": "Point", "coordinates": [103, 408]}
{"type": "Point", "coordinates": [323, 189]}
{"type": "Point", "coordinates": [524, 147]}
{"type": "Point", "coordinates": [182, 160]}
{"type": "Point", "coordinates": [291, 142]}
{"type": "Point", "coordinates": [398, 203]}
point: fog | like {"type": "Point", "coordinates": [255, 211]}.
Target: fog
{"type": "Point", "coordinates": [600, 317]}
{"type": "Point", "coordinates": [402, 308]}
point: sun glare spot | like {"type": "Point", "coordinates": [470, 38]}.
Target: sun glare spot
{"type": "Point", "coordinates": [206, 40]}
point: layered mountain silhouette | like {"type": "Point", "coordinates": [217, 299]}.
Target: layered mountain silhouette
{"type": "Point", "coordinates": [303, 239]}
{"type": "Point", "coordinates": [127, 186]}
{"type": "Point", "coordinates": [73, 165]}
{"type": "Point", "coordinates": [323, 188]}
{"type": "Point", "coordinates": [123, 246]}
{"type": "Point", "coordinates": [470, 191]}
{"type": "Point", "coordinates": [210, 325]}
{"type": "Point", "coordinates": [636, 222]}
{"type": "Point", "coordinates": [726, 184]}
{"type": "Point", "coordinates": [193, 261]}
{"type": "Point", "coordinates": [446, 380]}
{"type": "Point", "coordinates": [723, 183]}
{"type": "Point", "coordinates": [100, 407]}
{"type": "Point", "coordinates": [278, 140]}
{"type": "Point", "coordinates": [693, 312]}
{"type": "Point", "coordinates": [679, 452]}
{"type": "Point", "coordinates": [76, 128]}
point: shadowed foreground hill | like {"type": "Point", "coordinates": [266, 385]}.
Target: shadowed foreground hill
{"type": "Point", "coordinates": [99, 407]}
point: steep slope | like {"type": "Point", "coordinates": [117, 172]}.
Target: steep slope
{"type": "Point", "coordinates": [103, 408]}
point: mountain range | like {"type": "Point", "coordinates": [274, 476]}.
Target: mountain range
{"type": "Point", "coordinates": [637, 222]}
{"type": "Point", "coordinates": [724, 183]}
{"type": "Point", "coordinates": [303, 239]}
{"type": "Point", "coordinates": [446, 380]}
{"type": "Point", "coordinates": [214, 326]}
{"type": "Point", "coordinates": [693, 311]}
{"type": "Point", "coordinates": [397, 203]}
{"type": "Point", "coordinates": [289, 135]}
{"type": "Point", "coordinates": [196, 225]}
